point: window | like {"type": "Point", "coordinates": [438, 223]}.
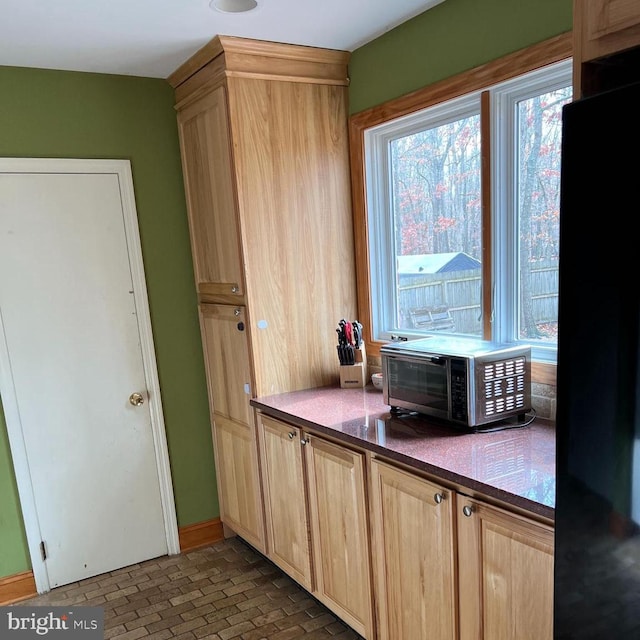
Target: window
{"type": "Point", "coordinates": [462, 212]}
{"type": "Point", "coordinates": [425, 219]}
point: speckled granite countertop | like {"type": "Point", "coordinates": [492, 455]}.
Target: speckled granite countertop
{"type": "Point", "coordinates": [515, 466]}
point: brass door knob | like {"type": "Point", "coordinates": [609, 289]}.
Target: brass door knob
{"type": "Point", "coordinates": [136, 399]}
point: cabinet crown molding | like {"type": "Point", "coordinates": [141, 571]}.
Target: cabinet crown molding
{"type": "Point", "coordinates": [287, 62]}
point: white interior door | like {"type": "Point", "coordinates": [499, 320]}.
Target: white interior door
{"type": "Point", "coordinates": [91, 466]}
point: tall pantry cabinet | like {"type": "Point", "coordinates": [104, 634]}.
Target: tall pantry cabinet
{"type": "Point", "coordinates": [264, 144]}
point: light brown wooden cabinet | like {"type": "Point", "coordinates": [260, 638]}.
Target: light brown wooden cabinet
{"type": "Point", "coordinates": [288, 534]}
{"type": "Point", "coordinates": [601, 29]}
{"type": "Point", "coordinates": [506, 574]}
{"type": "Point", "coordinates": [415, 559]}
{"type": "Point", "coordinates": [264, 148]}
{"type": "Point", "coordinates": [451, 567]}
{"type": "Point", "coordinates": [340, 531]}
{"type": "Point", "coordinates": [210, 191]}
{"type": "Point", "coordinates": [316, 514]}
{"type": "Point", "coordinates": [225, 344]}
{"type": "Point", "coordinates": [606, 26]}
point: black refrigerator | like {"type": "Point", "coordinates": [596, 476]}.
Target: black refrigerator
{"type": "Point", "coordinates": [597, 554]}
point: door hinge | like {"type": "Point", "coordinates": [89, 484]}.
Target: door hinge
{"type": "Point", "coordinates": [43, 550]}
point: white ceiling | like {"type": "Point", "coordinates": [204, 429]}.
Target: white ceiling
{"type": "Point", "coordinates": [153, 37]}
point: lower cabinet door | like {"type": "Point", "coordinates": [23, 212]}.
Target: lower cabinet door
{"type": "Point", "coordinates": [236, 457]}
{"type": "Point", "coordinates": [506, 574]}
{"type": "Point", "coordinates": [288, 543]}
{"type": "Point", "coordinates": [414, 555]}
{"type": "Point", "coordinates": [340, 533]}
{"type": "Point", "coordinates": [227, 364]}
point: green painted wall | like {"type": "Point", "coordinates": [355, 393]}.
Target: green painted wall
{"type": "Point", "coordinates": [65, 114]}
{"type": "Point", "coordinates": [14, 557]}
{"type": "Point", "coordinates": [452, 37]}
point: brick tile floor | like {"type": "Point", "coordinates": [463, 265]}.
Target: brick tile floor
{"type": "Point", "coordinates": [224, 591]}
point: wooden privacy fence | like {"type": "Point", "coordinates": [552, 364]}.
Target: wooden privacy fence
{"type": "Point", "coordinates": [458, 294]}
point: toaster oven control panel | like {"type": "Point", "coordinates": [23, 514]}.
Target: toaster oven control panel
{"type": "Point", "coordinates": [459, 395]}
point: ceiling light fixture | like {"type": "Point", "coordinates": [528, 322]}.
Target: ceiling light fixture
{"type": "Point", "coordinates": [233, 6]}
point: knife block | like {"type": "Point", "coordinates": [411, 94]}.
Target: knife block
{"type": "Point", "coordinates": [354, 376]}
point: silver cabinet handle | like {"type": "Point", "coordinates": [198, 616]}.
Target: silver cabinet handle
{"type": "Point", "coordinates": [234, 289]}
{"type": "Point", "coordinates": [438, 497]}
{"type": "Point", "coordinates": [467, 510]}
{"type": "Point", "coordinates": [237, 312]}
{"type": "Point", "coordinates": [304, 441]}
{"type": "Point", "coordinates": [292, 435]}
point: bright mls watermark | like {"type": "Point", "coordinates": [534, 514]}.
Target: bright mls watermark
{"type": "Point", "coordinates": [33, 623]}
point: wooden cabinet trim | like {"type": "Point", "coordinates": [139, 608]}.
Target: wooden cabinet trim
{"type": "Point", "coordinates": [342, 455]}
{"type": "Point", "coordinates": [325, 437]}
{"type": "Point", "coordinates": [417, 483]}
{"type": "Point", "coordinates": [217, 290]}
{"type": "Point", "coordinates": [227, 55]}
{"type": "Point", "coordinates": [514, 522]}
{"type": "Point", "coordinates": [276, 50]}
{"type": "Point", "coordinates": [207, 80]}
{"type": "Point", "coordinates": [199, 59]}
{"type": "Point", "coordinates": [607, 17]}
{"type": "Point", "coordinates": [220, 298]}
{"type": "Point", "coordinates": [339, 81]}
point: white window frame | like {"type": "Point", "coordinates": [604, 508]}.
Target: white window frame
{"type": "Point", "coordinates": [504, 198]}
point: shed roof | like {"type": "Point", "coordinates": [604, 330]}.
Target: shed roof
{"type": "Point", "coordinates": [436, 263]}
